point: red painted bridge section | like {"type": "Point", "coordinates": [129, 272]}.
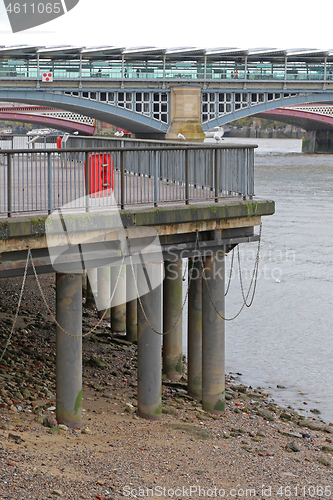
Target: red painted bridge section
{"type": "Point", "coordinates": [308, 120]}
{"type": "Point", "coordinates": [47, 117]}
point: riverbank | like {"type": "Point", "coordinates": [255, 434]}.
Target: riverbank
{"type": "Point", "coordinates": [254, 449]}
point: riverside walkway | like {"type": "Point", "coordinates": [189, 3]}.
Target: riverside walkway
{"type": "Point", "coordinates": [128, 217]}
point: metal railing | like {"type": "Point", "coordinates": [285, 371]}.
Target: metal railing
{"type": "Point", "coordinates": [44, 180]}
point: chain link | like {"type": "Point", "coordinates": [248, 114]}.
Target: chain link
{"type": "Point", "coordinates": [139, 298]}
{"type": "Point", "coordinates": [190, 273]}
{"type": "Point", "coordinates": [254, 276]}
{"type": "Point", "coordinates": [17, 308]}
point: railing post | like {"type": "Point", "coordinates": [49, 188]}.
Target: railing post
{"type": "Point", "coordinates": [87, 179]}
{"type": "Point", "coordinates": [9, 184]}
{"type": "Point", "coordinates": [187, 177]}
{"type": "Point", "coordinates": [156, 177]}
{"type": "Point", "coordinates": [49, 182]}
{"type": "Point", "coordinates": [122, 180]}
{"type": "Point", "coordinates": [245, 175]}
{"type": "Point", "coordinates": [216, 177]}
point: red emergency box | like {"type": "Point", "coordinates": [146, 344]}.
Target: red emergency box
{"type": "Point", "coordinates": [100, 174]}
{"type": "Point", "coordinates": [59, 142]}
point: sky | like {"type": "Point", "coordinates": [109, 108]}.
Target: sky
{"type": "Point", "coordinates": [176, 23]}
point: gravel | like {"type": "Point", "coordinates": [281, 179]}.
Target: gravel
{"type": "Point", "coordinates": [255, 449]}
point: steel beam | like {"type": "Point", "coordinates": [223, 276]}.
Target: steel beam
{"type": "Point", "coordinates": [213, 341]}
{"type": "Point", "coordinates": [69, 349]}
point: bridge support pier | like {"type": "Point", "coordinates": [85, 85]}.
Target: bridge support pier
{"type": "Point", "coordinates": [103, 291]}
{"type": "Point", "coordinates": [150, 347]}
{"type": "Point", "coordinates": [185, 113]}
{"type": "Point", "coordinates": [69, 349]}
{"type": "Point", "coordinates": [172, 307]}
{"type": "Point", "coordinates": [131, 306]}
{"type": "Point", "coordinates": [91, 288]}
{"type": "Point", "coordinates": [118, 305]}
{"type": "Point", "coordinates": [318, 141]}
{"type": "Point", "coordinates": [213, 342]}
{"type": "Point", "coordinates": [194, 343]}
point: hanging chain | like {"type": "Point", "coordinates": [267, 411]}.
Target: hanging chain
{"type": "Point", "coordinates": [254, 280]}
{"type": "Point", "coordinates": [17, 308]}
{"type": "Point", "coordinates": [254, 277]}
{"type": "Point", "coordinates": [230, 272]}
{"type": "Point", "coordinates": [138, 294]}
{"type": "Point", "coordinates": [240, 274]}
{"type": "Point", "coordinates": [50, 311]}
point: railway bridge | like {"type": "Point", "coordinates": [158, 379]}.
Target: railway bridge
{"type": "Point", "coordinates": [159, 92]}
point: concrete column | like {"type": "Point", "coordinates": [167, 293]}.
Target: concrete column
{"type": "Point", "coordinates": [194, 343]}
{"type": "Point", "coordinates": [91, 287]}
{"type": "Point", "coordinates": [318, 141]}
{"type": "Point", "coordinates": [103, 291]}
{"type": "Point", "coordinates": [150, 348]}
{"type": "Point", "coordinates": [69, 349]}
{"type": "Point", "coordinates": [213, 341]}
{"type": "Point", "coordinates": [118, 305]}
{"type": "Point", "coordinates": [185, 113]}
{"type": "Point", "coordinates": [131, 305]}
{"type": "Point", "coordinates": [172, 306]}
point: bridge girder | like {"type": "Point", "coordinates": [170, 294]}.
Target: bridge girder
{"type": "Point", "coordinates": [141, 124]}
{"type": "Point", "coordinates": [300, 98]}
{"type": "Point", "coordinates": [48, 121]}
{"type": "Point", "coordinates": [120, 117]}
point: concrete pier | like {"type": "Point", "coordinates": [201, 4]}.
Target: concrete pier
{"type": "Point", "coordinates": [103, 291]}
{"type": "Point", "coordinates": [131, 306]}
{"type": "Point", "coordinates": [69, 349]}
{"type": "Point", "coordinates": [150, 349]}
{"type": "Point", "coordinates": [194, 343]}
{"type": "Point", "coordinates": [118, 304]}
{"type": "Point", "coordinates": [91, 292]}
{"type": "Point", "coordinates": [172, 306]}
{"type": "Point", "coordinates": [213, 335]}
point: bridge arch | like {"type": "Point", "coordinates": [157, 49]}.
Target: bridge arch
{"type": "Point", "coordinates": [47, 120]}
{"type": "Point", "coordinates": [267, 105]}
{"type": "Point", "coordinates": [119, 116]}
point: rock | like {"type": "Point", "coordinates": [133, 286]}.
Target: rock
{"type": "Point", "coordinates": [324, 461]}
{"type": "Point", "coordinates": [294, 435]}
{"type": "Point", "coordinates": [98, 363]}
{"type": "Point", "coordinates": [63, 427]}
{"type": "Point", "coordinates": [267, 415]}
{"type": "Point", "coordinates": [26, 393]}
{"type": "Point", "coordinates": [15, 437]}
{"type": "Point", "coordinates": [57, 492]}
{"type": "Point", "coordinates": [50, 421]}
{"type": "Point", "coordinates": [239, 388]}
{"type": "Point", "coordinates": [328, 449]}
{"type": "Point", "coordinates": [293, 447]}
{"type": "Point", "coordinates": [315, 411]}
{"type": "Point", "coordinates": [314, 426]}
{"type": "Point", "coordinates": [85, 431]}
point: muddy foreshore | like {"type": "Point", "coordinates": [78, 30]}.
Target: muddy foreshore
{"type": "Point", "coordinates": [256, 449]}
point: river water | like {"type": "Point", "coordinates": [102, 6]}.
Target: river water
{"type": "Point", "coordinates": [286, 337]}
